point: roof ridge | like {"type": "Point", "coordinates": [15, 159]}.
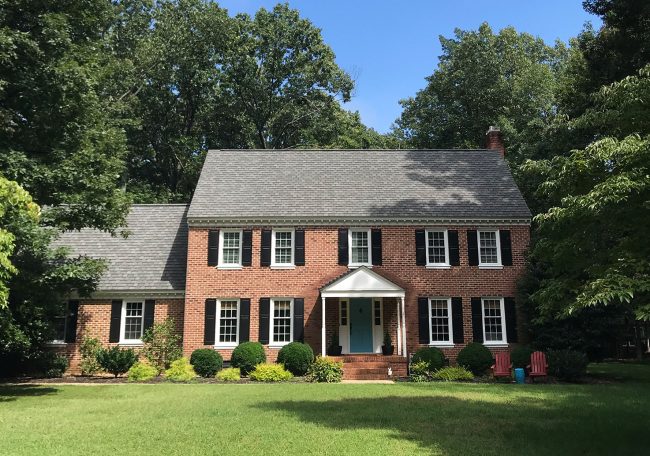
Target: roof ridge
{"type": "Point", "coordinates": [352, 150]}
{"type": "Point", "coordinates": [159, 204]}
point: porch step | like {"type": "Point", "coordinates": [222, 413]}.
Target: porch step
{"type": "Point", "coordinates": [372, 367]}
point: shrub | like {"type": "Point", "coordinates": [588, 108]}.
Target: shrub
{"type": "Point", "coordinates": [116, 360]}
{"type": "Point", "coordinates": [432, 356]}
{"type": "Point", "coordinates": [453, 374]}
{"type": "Point", "coordinates": [296, 358]}
{"type": "Point", "coordinates": [141, 372]}
{"type": "Point", "coordinates": [53, 365]}
{"type": "Point", "coordinates": [419, 372]}
{"type": "Point", "coordinates": [247, 355]}
{"type": "Point", "coordinates": [231, 374]}
{"type": "Point", "coordinates": [162, 344]}
{"type": "Point", "coordinates": [180, 371]}
{"type": "Point", "coordinates": [520, 356]}
{"type": "Point", "coordinates": [270, 372]}
{"type": "Point", "coordinates": [568, 365]}
{"type": "Point", "coordinates": [89, 348]}
{"type": "Point", "coordinates": [476, 358]}
{"type": "Point", "coordinates": [206, 362]}
{"type": "Point", "coordinates": [325, 370]}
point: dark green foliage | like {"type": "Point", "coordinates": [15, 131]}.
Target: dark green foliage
{"type": "Point", "coordinates": [206, 362]}
{"type": "Point", "coordinates": [247, 355]}
{"type": "Point", "coordinates": [476, 358]}
{"type": "Point", "coordinates": [433, 356]}
{"type": "Point", "coordinates": [162, 344]}
{"type": "Point", "coordinates": [520, 356]}
{"type": "Point", "coordinates": [117, 360]}
{"type": "Point", "coordinates": [296, 357]}
{"type": "Point", "coordinates": [568, 365]}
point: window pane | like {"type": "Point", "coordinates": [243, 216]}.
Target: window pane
{"type": "Point", "coordinates": [282, 321]}
{"type": "Point", "coordinates": [283, 247]}
{"type": "Point", "coordinates": [344, 313]}
{"type": "Point", "coordinates": [492, 316]}
{"type": "Point", "coordinates": [436, 247]}
{"type": "Point", "coordinates": [488, 246]}
{"type": "Point", "coordinates": [230, 253]}
{"type": "Point", "coordinates": [377, 313]}
{"type": "Point", "coordinates": [133, 320]}
{"type": "Point", "coordinates": [359, 247]}
{"type": "Point", "coordinates": [59, 328]}
{"type": "Point", "coordinates": [228, 321]}
{"type": "Point", "coordinates": [439, 320]}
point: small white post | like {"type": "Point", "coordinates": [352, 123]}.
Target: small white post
{"type": "Point", "coordinates": [323, 327]}
{"type": "Point", "coordinates": [399, 328]}
{"type": "Point", "coordinates": [403, 326]}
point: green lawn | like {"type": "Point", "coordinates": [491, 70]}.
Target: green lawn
{"type": "Point", "coordinates": [454, 419]}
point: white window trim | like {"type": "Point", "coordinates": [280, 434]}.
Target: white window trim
{"type": "Point", "coordinates": [221, 264]}
{"type": "Point", "coordinates": [345, 301]}
{"type": "Point", "coordinates": [431, 265]}
{"type": "Point", "coordinates": [124, 341]}
{"type": "Point", "coordinates": [291, 264]}
{"type": "Point", "coordinates": [438, 343]}
{"type": "Point", "coordinates": [217, 329]}
{"type": "Point", "coordinates": [65, 329]}
{"type": "Point", "coordinates": [359, 230]}
{"type": "Point", "coordinates": [272, 343]}
{"type": "Point", "coordinates": [498, 264]}
{"type": "Point", "coordinates": [504, 336]}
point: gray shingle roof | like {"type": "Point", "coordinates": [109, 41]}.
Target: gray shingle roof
{"type": "Point", "coordinates": [152, 257]}
{"type": "Point", "coordinates": [363, 184]}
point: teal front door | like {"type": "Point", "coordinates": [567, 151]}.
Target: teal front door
{"type": "Point", "coordinates": [361, 325]}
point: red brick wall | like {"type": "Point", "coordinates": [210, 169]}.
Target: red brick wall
{"type": "Point", "coordinates": [321, 257]}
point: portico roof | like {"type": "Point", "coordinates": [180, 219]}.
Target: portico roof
{"type": "Point", "coordinates": [361, 282]}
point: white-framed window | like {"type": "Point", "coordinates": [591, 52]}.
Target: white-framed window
{"type": "Point", "coordinates": [437, 248]}
{"type": "Point", "coordinates": [440, 323]}
{"type": "Point", "coordinates": [230, 246]}
{"type": "Point", "coordinates": [281, 321]}
{"type": "Point", "coordinates": [494, 321]}
{"type": "Point", "coordinates": [377, 312]}
{"type": "Point", "coordinates": [227, 330]}
{"type": "Point", "coordinates": [60, 326]}
{"type": "Point", "coordinates": [489, 248]}
{"type": "Point", "coordinates": [132, 322]}
{"type": "Point", "coordinates": [359, 247]}
{"type": "Point", "coordinates": [282, 248]}
{"type": "Point", "coordinates": [343, 314]}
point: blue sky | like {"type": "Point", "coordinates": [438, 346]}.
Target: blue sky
{"type": "Point", "coordinates": [389, 47]}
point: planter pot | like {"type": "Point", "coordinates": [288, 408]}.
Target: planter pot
{"type": "Point", "coordinates": [387, 351]}
{"type": "Point", "coordinates": [335, 351]}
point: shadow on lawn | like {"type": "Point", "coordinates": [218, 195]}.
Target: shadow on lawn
{"type": "Point", "coordinates": [458, 426]}
{"type": "Point", "coordinates": [13, 392]}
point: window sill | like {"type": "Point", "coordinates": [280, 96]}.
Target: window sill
{"type": "Point", "coordinates": [134, 343]}
{"type": "Point", "coordinates": [491, 266]}
{"type": "Point", "coordinates": [438, 266]}
{"type": "Point", "coordinates": [224, 347]}
{"type": "Point", "coordinates": [442, 345]}
{"type": "Point", "coordinates": [283, 266]}
{"type": "Point", "coordinates": [495, 344]}
{"type": "Point", "coordinates": [277, 345]}
{"type": "Point", "coordinates": [230, 268]}
{"type": "Point", "coordinates": [355, 266]}
{"type": "Point", "coordinates": [56, 343]}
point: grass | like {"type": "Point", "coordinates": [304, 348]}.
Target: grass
{"type": "Point", "coordinates": [400, 419]}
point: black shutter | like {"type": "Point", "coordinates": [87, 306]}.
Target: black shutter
{"type": "Point", "coordinates": [477, 320]}
{"type": "Point", "coordinates": [454, 251]}
{"type": "Point", "coordinates": [265, 255]}
{"type": "Point", "coordinates": [265, 308]}
{"type": "Point", "coordinates": [299, 251]}
{"type": "Point", "coordinates": [511, 319]}
{"type": "Point", "coordinates": [457, 319]}
{"type": "Point", "coordinates": [423, 320]}
{"type": "Point", "coordinates": [149, 311]}
{"type": "Point", "coordinates": [375, 239]}
{"type": "Point", "coordinates": [213, 247]}
{"type": "Point", "coordinates": [420, 249]}
{"type": "Point", "coordinates": [506, 247]}
{"type": "Point", "coordinates": [247, 248]}
{"type": "Point", "coordinates": [298, 319]}
{"type": "Point", "coordinates": [472, 247]}
{"type": "Point", "coordinates": [71, 323]}
{"type": "Point", "coordinates": [210, 325]}
{"type": "Point", "coordinates": [343, 246]}
{"type": "Point", "coordinates": [116, 319]}
{"type": "Point", "coordinates": [244, 320]}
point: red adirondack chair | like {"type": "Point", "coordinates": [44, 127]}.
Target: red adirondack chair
{"type": "Point", "coordinates": [538, 366]}
{"type": "Point", "coordinates": [502, 365]}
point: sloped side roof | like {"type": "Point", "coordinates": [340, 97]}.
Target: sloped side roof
{"type": "Point", "coordinates": [363, 184]}
{"type": "Point", "coordinates": [152, 257]}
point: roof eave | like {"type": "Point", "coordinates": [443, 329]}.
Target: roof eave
{"type": "Point", "coordinates": [203, 222]}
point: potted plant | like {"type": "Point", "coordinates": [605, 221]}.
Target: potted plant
{"type": "Point", "coordinates": [334, 349]}
{"type": "Point", "coordinates": [387, 349]}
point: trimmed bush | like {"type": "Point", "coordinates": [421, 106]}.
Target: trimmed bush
{"type": "Point", "coordinates": [567, 365]}
{"type": "Point", "coordinates": [270, 372]}
{"type": "Point", "coordinates": [247, 355]}
{"type": "Point", "coordinates": [231, 374]}
{"type": "Point", "coordinates": [520, 356]}
{"type": "Point", "coordinates": [419, 372]}
{"type": "Point", "coordinates": [116, 360]}
{"type": "Point", "coordinates": [325, 370]}
{"type": "Point", "coordinates": [296, 358]}
{"type": "Point", "coordinates": [141, 372]}
{"type": "Point", "coordinates": [206, 362]}
{"type": "Point", "coordinates": [476, 358]}
{"type": "Point", "coordinates": [89, 348]}
{"type": "Point", "coordinates": [432, 356]}
{"type": "Point", "coordinates": [180, 371]}
{"type": "Point", "coordinates": [453, 374]}
{"type": "Point", "coordinates": [54, 365]}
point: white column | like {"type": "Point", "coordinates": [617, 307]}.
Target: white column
{"type": "Point", "coordinates": [399, 327]}
{"type": "Point", "coordinates": [323, 343]}
{"type": "Point", "coordinates": [403, 326]}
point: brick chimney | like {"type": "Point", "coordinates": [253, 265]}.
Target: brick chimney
{"type": "Point", "coordinates": [494, 140]}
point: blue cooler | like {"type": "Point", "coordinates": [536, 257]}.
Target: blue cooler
{"type": "Point", "coordinates": [520, 375]}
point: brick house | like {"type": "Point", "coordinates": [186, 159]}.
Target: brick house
{"type": "Point", "coordinates": [314, 245]}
